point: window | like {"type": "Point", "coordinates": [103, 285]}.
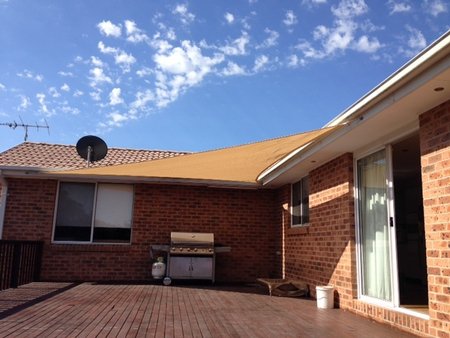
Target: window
{"type": "Point", "coordinates": [88, 212]}
{"type": "Point", "coordinates": [300, 202]}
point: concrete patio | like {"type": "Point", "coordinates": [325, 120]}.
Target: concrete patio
{"type": "Point", "coordinates": [113, 310]}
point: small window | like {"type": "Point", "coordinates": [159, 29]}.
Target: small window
{"type": "Point", "coordinates": [89, 212]}
{"type": "Point", "coordinates": [300, 202]}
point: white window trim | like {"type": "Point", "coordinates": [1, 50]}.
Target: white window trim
{"type": "Point", "coordinates": [91, 242]}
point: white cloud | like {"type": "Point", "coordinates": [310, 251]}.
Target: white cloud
{"type": "Point", "coordinates": [236, 47]}
{"type": "Point", "coordinates": [121, 58]}
{"type": "Point", "coordinates": [96, 62]}
{"type": "Point", "coordinates": [233, 69]}
{"type": "Point", "coordinates": [96, 94]}
{"type": "Point", "coordinates": [78, 93]}
{"type": "Point", "coordinates": [107, 28]}
{"type": "Point", "coordinates": [311, 3]}
{"type": "Point", "coordinates": [367, 46]}
{"type": "Point", "coordinates": [293, 61]}
{"type": "Point", "coordinates": [65, 108]}
{"type": "Point", "coordinates": [272, 39]}
{"type": "Point", "coordinates": [25, 102]}
{"type": "Point", "coordinates": [107, 50]}
{"type": "Point", "coordinates": [343, 34]}
{"type": "Point", "coordinates": [350, 8]}
{"type": "Point", "coordinates": [229, 17]}
{"type": "Point", "coordinates": [43, 108]}
{"type": "Point", "coordinates": [260, 63]}
{"type": "Point", "coordinates": [290, 18]}
{"type": "Point", "coordinates": [65, 74]}
{"type": "Point", "coordinates": [415, 42]}
{"type": "Point", "coordinates": [170, 34]}
{"type": "Point", "coordinates": [28, 74]}
{"type": "Point", "coordinates": [114, 97]}
{"type": "Point", "coordinates": [142, 100]}
{"type": "Point", "coordinates": [435, 7]}
{"type": "Point", "coordinates": [2, 86]}
{"type": "Point", "coordinates": [340, 37]}
{"type": "Point", "coordinates": [125, 61]}
{"type": "Point", "coordinates": [65, 87]}
{"type": "Point", "coordinates": [180, 68]}
{"type": "Point", "coordinates": [54, 92]}
{"type": "Point", "coordinates": [185, 16]}
{"type": "Point", "coordinates": [309, 51]}
{"type": "Point", "coordinates": [134, 34]}
{"type": "Point", "coordinates": [144, 71]}
{"type": "Point", "coordinates": [98, 77]}
{"type": "Point", "coordinates": [398, 7]}
{"type": "Point", "coordinates": [116, 119]}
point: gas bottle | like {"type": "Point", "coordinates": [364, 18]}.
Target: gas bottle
{"type": "Point", "coordinates": [159, 268]}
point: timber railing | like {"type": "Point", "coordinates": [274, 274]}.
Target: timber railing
{"type": "Point", "coordinates": [20, 262]}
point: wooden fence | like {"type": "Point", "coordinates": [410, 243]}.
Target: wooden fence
{"type": "Point", "coordinates": [20, 262]}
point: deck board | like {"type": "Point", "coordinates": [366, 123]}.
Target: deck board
{"type": "Point", "coordinates": [102, 310]}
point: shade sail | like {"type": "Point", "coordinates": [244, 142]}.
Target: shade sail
{"type": "Point", "coordinates": [235, 164]}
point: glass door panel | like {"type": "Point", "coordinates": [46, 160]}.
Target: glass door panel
{"type": "Point", "coordinates": [374, 226]}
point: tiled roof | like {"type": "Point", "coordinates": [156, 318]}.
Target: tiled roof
{"type": "Point", "coordinates": [58, 156]}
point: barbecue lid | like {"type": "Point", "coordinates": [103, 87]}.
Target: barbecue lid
{"type": "Point", "coordinates": [194, 238]}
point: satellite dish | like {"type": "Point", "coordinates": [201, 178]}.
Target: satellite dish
{"type": "Point", "coordinates": [91, 148]}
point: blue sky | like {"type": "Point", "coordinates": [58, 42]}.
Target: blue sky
{"type": "Point", "coordinates": [197, 75]}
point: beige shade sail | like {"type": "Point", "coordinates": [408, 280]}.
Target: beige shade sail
{"type": "Point", "coordinates": [240, 164]}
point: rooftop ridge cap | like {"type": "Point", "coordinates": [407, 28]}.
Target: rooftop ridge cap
{"type": "Point", "coordinates": [115, 148]}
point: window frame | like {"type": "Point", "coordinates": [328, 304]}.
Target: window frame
{"type": "Point", "coordinates": [301, 204]}
{"type": "Point", "coordinates": [93, 216]}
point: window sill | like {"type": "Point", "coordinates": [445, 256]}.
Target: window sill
{"type": "Point", "coordinates": [298, 229]}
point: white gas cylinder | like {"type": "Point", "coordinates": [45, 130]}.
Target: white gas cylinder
{"type": "Point", "coordinates": [159, 268]}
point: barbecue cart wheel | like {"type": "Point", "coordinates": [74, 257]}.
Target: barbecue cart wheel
{"type": "Point", "coordinates": [167, 281]}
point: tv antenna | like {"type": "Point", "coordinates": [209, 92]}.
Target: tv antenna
{"type": "Point", "coordinates": [13, 125]}
{"type": "Point", "coordinates": [91, 148]}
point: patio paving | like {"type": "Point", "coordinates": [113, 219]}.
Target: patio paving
{"type": "Point", "coordinates": [112, 310]}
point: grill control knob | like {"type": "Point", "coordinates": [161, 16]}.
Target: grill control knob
{"type": "Point", "coordinates": [210, 250]}
{"type": "Point", "coordinates": [195, 249]}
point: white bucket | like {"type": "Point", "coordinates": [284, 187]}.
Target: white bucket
{"type": "Point", "coordinates": [325, 297]}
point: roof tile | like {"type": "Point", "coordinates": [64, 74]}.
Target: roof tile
{"type": "Point", "coordinates": [58, 156]}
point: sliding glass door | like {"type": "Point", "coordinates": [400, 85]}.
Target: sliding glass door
{"type": "Point", "coordinates": [374, 228]}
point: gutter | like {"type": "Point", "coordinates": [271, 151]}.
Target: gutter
{"type": "Point", "coordinates": [3, 195]}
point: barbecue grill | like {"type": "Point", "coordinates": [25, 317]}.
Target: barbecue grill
{"type": "Point", "coordinates": [191, 256]}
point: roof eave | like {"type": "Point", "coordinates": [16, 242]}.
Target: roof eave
{"type": "Point", "coordinates": [45, 174]}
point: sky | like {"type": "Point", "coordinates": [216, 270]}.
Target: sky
{"type": "Point", "coordinates": [199, 74]}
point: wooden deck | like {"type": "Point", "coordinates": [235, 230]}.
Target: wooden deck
{"type": "Point", "coordinates": [96, 310]}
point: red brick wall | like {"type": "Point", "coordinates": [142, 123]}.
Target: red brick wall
{"type": "Point", "coordinates": [435, 150]}
{"type": "Point", "coordinates": [324, 251]}
{"type": "Point", "coordinates": [242, 219]}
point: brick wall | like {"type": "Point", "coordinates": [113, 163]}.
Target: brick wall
{"type": "Point", "coordinates": [435, 151]}
{"type": "Point", "coordinates": [242, 219]}
{"type": "Point", "coordinates": [324, 251]}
